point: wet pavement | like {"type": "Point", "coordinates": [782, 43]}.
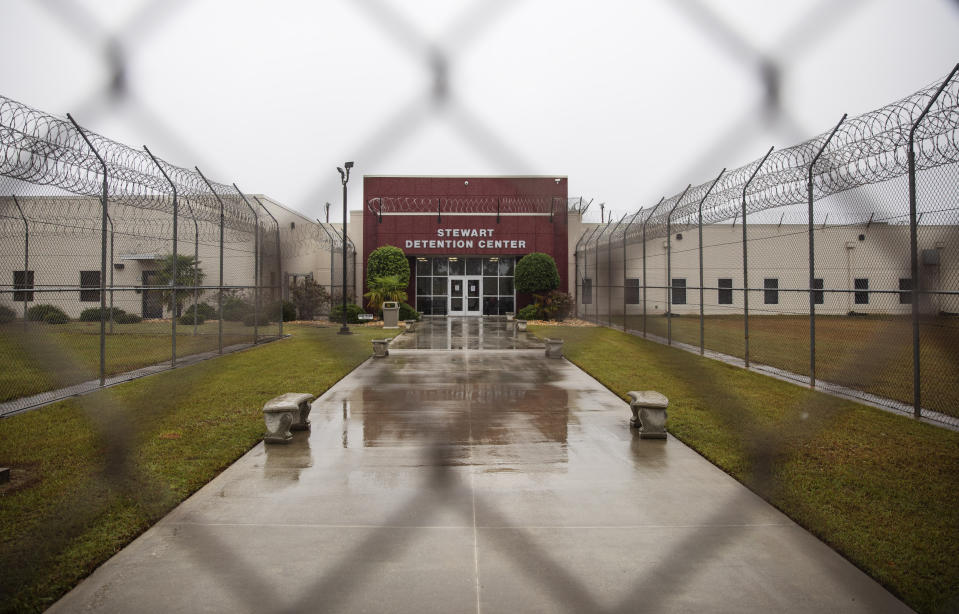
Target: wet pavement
{"type": "Point", "coordinates": [465, 333]}
{"type": "Point", "coordinates": [475, 481]}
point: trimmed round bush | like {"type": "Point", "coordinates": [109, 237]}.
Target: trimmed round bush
{"type": "Point", "coordinates": [408, 313]}
{"type": "Point", "coordinates": [530, 312]}
{"type": "Point", "coordinates": [39, 313]}
{"type": "Point", "coordinates": [93, 314]}
{"type": "Point", "coordinates": [352, 311]}
{"type": "Point", "coordinates": [56, 317]}
{"type": "Point", "coordinates": [127, 318]}
{"type": "Point", "coordinates": [388, 260]}
{"type": "Point", "coordinates": [187, 318]}
{"type": "Point", "coordinates": [536, 272]}
{"type": "Point", "coordinates": [7, 314]}
{"type": "Point", "coordinates": [205, 311]}
{"type": "Point", "coordinates": [236, 309]}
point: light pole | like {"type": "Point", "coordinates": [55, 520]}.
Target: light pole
{"type": "Point", "coordinates": [344, 177]}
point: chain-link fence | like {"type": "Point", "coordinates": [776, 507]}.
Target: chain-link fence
{"type": "Point", "coordinates": [126, 262]}
{"type": "Point", "coordinates": [832, 262]}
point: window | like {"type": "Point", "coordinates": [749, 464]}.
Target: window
{"type": "Point", "coordinates": [22, 280]}
{"type": "Point", "coordinates": [632, 291]}
{"type": "Point", "coordinates": [679, 291]}
{"type": "Point", "coordinates": [725, 291]}
{"type": "Point", "coordinates": [771, 291]}
{"type": "Point", "coordinates": [905, 291]}
{"type": "Point", "coordinates": [862, 298]}
{"type": "Point", "coordinates": [90, 279]}
{"type": "Point", "coordinates": [817, 294]}
{"type": "Point", "coordinates": [587, 291]}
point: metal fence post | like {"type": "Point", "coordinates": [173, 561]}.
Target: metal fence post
{"type": "Point", "coordinates": [279, 262]}
{"type": "Point", "coordinates": [669, 269]}
{"type": "Point", "coordinates": [644, 260]}
{"type": "Point", "coordinates": [596, 248]}
{"type": "Point", "coordinates": [219, 297]}
{"type": "Point", "coordinates": [103, 251]}
{"type": "Point", "coordinates": [625, 231]}
{"type": "Point", "coordinates": [112, 232]}
{"type": "Point", "coordinates": [173, 280]}
{"type": "Point", "coordinates": [577, 296]}
{"type": "Point", "coordinates": [609, 270]}
{"type": "Point", "coordinates": [26, 257]}
{"type": "Point", "coordinates": [812, 258]}
{"type": "Point", "coordinates": [702, 304]}
{"type": "Point", "coordinates": [914, 247]}
{"type": "Point", "coordinates": [256, 264]}
{"type": "Point", "coordinates": [746, 261]}
{"type": "Point", "coordinates": [196, 261]}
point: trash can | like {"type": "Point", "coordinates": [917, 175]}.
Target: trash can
{"type": "Point", "coordinates": [391, 314]}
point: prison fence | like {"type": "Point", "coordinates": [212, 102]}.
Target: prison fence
{"type": "Point", "coordinates": [117, 261]}
{"type": "Point", "coordinates": [832, 262]}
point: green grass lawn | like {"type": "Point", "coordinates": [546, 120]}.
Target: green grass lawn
{"type": "Point", "coordinates": [92, 473]}
{"type": "Point", "coordinates": [881, 489]}
{"type": "Point", "coordinates": [872, 354]}
{"type": "Point", "coordinates": [28, 353]}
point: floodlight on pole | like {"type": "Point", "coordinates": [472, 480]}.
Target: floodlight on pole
{"type": "Point", "coordinates": [344, 177]}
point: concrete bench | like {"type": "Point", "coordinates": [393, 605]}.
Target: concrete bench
{"type": "Point", "coordinates": [381, 348]}
{"type": "Point", "coordinates": [554, 348]}
{"type": "Point", "coordinates": [649, 413]}
{"type": "Point", "coordinates": [285, 413]}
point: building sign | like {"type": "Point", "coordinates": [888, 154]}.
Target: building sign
{"type": "Point", "coordinates": [465, 238]}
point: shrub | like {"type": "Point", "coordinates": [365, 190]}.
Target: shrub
{"type": "Point", "coordinates": [382, 289]}
{"type": "Point", "coordinates": [235, 309]}
{"type": "Point", "coordinates": [535, 273]}
{"type": "Point", "coordinates": [286, 307]}
{"type": "Point", "coordinates": [250, 319]}
{"type": "Point", "coordinates": [93, 314]}
{"type": "Point", "coordinates": [205, 311]}
{"type": "Point", "coordinates": [56, 317]}
{"type": "Point", "coordinates": [7, 314]}
{"type": "Point", "coordinates": [554, 305]}
{"type": "Point", "coordinates": [38, 313]}
{"type": "Point", "coordinates": [408, 313]}
{"type": "Point", "coordinates": [352, 311]}
{"type": "Point", "coordinates": [127, 318]}
{"type": "Point", "coordinates": [308, 297]}
{"type": "Point", "coordinates": [530, 312]}
{"type": "Point", "coordinates": [187, 318]}
{"type": "Point", "coordinates": [385, 261]}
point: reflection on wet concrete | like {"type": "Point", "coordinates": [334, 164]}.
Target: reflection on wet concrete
{"type": "Point", "coordinates": [284, 462]}
{"type": "Point", "coordinates": [465, 333]}
{"type": "Point", "coordinates": [493, 481]}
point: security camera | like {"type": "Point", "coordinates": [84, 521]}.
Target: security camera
{"type": "Point", "coordinates": [348, 165]}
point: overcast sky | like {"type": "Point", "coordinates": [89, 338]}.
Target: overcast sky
{"type": "Point", "coordinates": [631, 100]}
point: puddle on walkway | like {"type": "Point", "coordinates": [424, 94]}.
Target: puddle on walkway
{"type": "Point", "coordinates": [465, 333]}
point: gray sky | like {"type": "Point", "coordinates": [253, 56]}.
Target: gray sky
{"type": "Point", "coordinates": [631, 100]}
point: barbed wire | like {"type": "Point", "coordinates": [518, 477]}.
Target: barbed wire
{"type": "Point", "coordinates": [865, 150]}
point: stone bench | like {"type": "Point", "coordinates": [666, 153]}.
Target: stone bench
{"type": "Point", "coordinates": [381, 348]}
{"type": "Point", "coordinates": [554, 348]}
{"type": "Point", "coordinates": [285, 413]}
{"type": "Point", "coordinates": [649, 413]}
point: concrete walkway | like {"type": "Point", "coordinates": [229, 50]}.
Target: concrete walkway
{"type": "Point", "coordinates": [475, 481]}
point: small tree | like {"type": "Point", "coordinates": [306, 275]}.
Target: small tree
{"type": "Point", "coordinates": [188, 272]}
{"type": "Point", "coordinates": [385, 261]}
{"type": "Point", "coordinates": [308, 297]}
{"type": "Point", "coordinates": [536, 273]}
{"type": "Point", "coordinates": [386, 288]}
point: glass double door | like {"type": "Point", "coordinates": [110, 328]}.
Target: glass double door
{"type": "Point", "coordinates": [465, 293]}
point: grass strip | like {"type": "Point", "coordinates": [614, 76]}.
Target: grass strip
{"type": "Point", "coordinates": [881, 489]}
{"type": "Point", "coordinates": [90, 474]}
